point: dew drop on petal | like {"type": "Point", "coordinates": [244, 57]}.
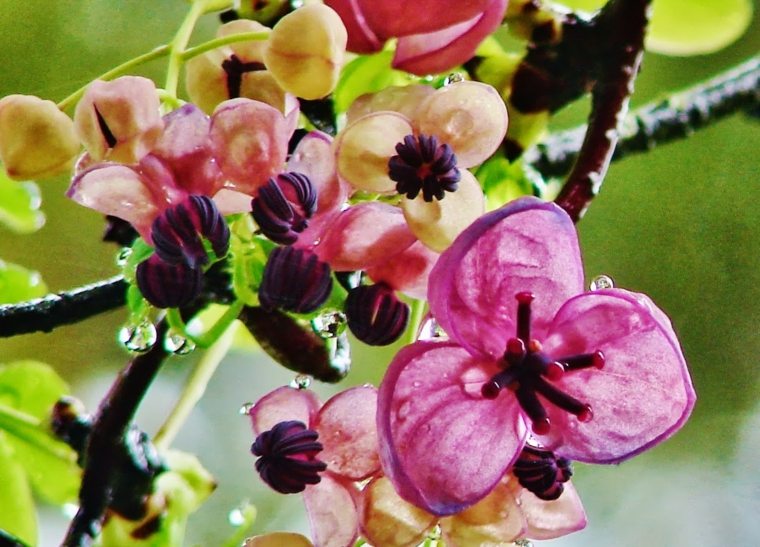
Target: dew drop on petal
{"type": "Point", "coordinates": [416, 383]}
{"type": "Point", "coordinates": [403, 410]}
{"type": "Point", "coordinates": [177, 344]}
{"type": "Point", "coordinates": [601, 282]}
{"type": "Point", "coordinates": [138, 338]}
{"type": "Point", "coordinates": [453, 78]}
{"type": "Point", "coordinates": [329, 325]}
{"type": "Point", "coordinates": [69, 510]}
{"type": "Point", "coordinates": [301, 381]}
{"type": "Point", "coordinates": [245, 409]}
{"type": "Point", "coordinates": [236, 517]}
{"type": "Point", "coordinates": [523, 542]}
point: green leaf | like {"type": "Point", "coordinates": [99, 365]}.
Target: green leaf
{"type": "Point", "coordinates": [18, 516]}
{"type": "Point", "coordinates": [18, 284]}
{"type": "Point", "coordinates": [20, 205]}
{"type": "Point", "coordinates": [366, 74]}
{"type": "Point", "coordinates": [31, 387]}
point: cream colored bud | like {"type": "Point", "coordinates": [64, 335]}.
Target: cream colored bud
{"type": "Point", "coordinates": [36, 138]}
{"type": "Point", "coordinates": [305, 51]}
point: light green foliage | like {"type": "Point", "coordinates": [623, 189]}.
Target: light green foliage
{"type": "Point", "coordinates": [20, 205]}
{"type": "Point", "coordinates": [366, 74]}
{"type": "Point", "coordinates": [30, 457]}
{"type": "Point", "coordinates": [18, 284]}
{"type": "Point", "coordinates": [503, 181]}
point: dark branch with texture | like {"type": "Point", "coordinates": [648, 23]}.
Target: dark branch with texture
{"type": "Point", "coordinates": [623, 23]}
{"type": "Point", "coordinates": [674, 118]}
{"type": "Point", "coordinates": [105, 442]}
{"type": "Point", "coordinates": [45, 314]}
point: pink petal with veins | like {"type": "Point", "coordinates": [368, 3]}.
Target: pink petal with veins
{"type": "Point", "coordinates": [348, 433]}
{"type": "Point", "coordinates": [408, 271]}
{"type": "Point", "coordinates": [441, 443]}
{"type": "Point", "coordinates": [332, 510]}
{"type": "Point", "coordinates": [444, 49]}
{"type": "Point", "coordinates": [527, 245]}
{"type": "Point", "coordinates": [363, 236]}
{"type": "Point", "coordinates": [642, 395]}
{"type": "Point", "coordinates": [282, 405]}
{"type": "Point", "coordinates": [401, 17]}
{"type": "Point", "coordinates": [361, 38]}
{"type": "Point", "coordinates": [551, 519]}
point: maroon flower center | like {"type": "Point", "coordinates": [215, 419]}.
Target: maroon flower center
{"type": "Point", "coordinates": [542, 473]}
{"type": "Point", "coordinates": [529, 373]}
{"type": "Point", "coordinates": [283, 207]}
{"type": "Point", "coordinates": [294, 280]}
{"type": "Point", "coordinates": [287, 457]}
{"type": "Point", "coordinates": [423, 164]}
{"type": "Point", "coordinates": [375, 315]}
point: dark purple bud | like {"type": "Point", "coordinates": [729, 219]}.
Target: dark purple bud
{"type": "Point", "coordinates": [287, 457]}
{"type": "Point", "coordinates": [375, 315]}
{"type": "Point", "coordinates": [422, 164]}
{"type": "Point", "coordinates": [178, 233]}
{"type": "Point", "coordinates": [294, 280]}
{"type": "Point", "coordinates": [283, 206]}
{"type": "Point", "coordinates": [168, 285]}
{"type": "Point", "coordinates": [541, 472]}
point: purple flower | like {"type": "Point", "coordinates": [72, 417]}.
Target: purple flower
{"type": "Point", "coordinates": [597, 376]}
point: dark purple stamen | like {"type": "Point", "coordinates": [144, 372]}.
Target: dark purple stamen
{"type": "Point", "coordinates": [283, 206]}
{"type": "Point", "coordinates": [179, 231]}
{"type": "Point", "coordinates": [375, 315]}
{"type": "Point", "coordinates": [104, 129]}
{"type": "Point", "coordinates": [541, 472]}
{"type": "Point", "coordinates": [423, 164]}
{"type": "Point", "coordinates": [234, 68]}
{"type": "Point", "coordinates": [287, 457]}
{"type": "Point", "coordinates": [168, 285]}
{"type": "Point", "coordinates": [528, 372]}
{"type": "Point", "coordinates": [294, 280]}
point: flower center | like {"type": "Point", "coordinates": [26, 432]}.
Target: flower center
{"type": "Point", "coordinates": [234, 68]}
{"type": "Point", "coordinates": [287, 457]}
{"type": "Point", "coordinates": [283, 207]}
{"type": "Point", "coordinates": [294, 280]}
{"type": "Point", "coordinates": [375, 315]}
{"type": "Point", "coordinates": [529, 372]}
{"type": "Point", "coordinates": [542, 473]}
{"type": "Point", "coordinates": [422, 163]}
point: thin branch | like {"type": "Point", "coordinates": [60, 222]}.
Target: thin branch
{"type": "Point", "coordinates": [623, 23]}
{"type": "Point", "coordinates": [111, 423]}
{"type": "Point", "coordinates": [45, 314]}
{"type": "Point", "coordinates": [674, 118]}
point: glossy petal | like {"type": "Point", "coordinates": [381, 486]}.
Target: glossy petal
{"type": "Point", "coordinates": [401, 17]}
{"type": "Point", "coordinates": [365, 235]}
{"type": "Point", "coordinates": [117, 190]}
{"type": "Point", "coordinates": [641, 396]}
{"type": "Point", "coordinates": [441, 443]}
{"type": "Point", "coordinates": [361, 38]}
{"type": "Point", "coordinates": [444, 49]}
{"type": "Point", "coordinates": [527, 245]}
{"type": "Point", "coordinates": [332, 510]}
{"type": "Point", "coordinates": [550, 519]}
{"type": "Point", "coordinates": [281, 405]}
{"type": "Point", "coordinates": [348, 433]}
{"type": "Point", "coordinates": [408, 272]}
{"type": "Point", "coordinates": [388, 520]}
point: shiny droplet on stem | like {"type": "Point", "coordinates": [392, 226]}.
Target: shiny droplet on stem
{"type": "Point", "coordinates": [301, 381]}
{"type": "Point", "coordinates": [177, 344]}
{"type": "Point", "coordinates": [138, 338]}
{"type": "Point", "coordinates": [329, 325]}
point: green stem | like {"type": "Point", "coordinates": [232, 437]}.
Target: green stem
{"type": "Point", "coordinates": [179, 42]}
{"type": "Point", "coordinates": [415, 319]}
{"type": "Point", "coordinates": [156, 53]}
{"type": "Point", "coordinates": [191, 52]}
{"type": "Point", "coordinates": [207, 338]}
{"type": "Point", "coordinates": [194, 390]}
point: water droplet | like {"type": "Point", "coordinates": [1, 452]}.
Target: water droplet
{"type": "Point", "coordinates": [69, 510]}
{"type": "Point", "coordinates": [236, 517]}
{"type": "Point", "coordinates": [453, 78]}
{"type": "Point", "coordinates": [430, 330]}
{"type": "Point", "coordinates": [138, 338]}
{"type": "Point", "coordinates": [123, 256]}
{"type": "Point", "coordinates": [177, 344]}
{"type": "Point", "coordinates": [404, 409]}
{"type": "Point", "coordinates": [329, 325]}
{"type": "Point", "coordinates": [601, 282]}
{"type": "Point", "coordinates": [523, 543]}
{"type": "Point", "coordinates": [245, 409]}
{"type": "Point", "coordinates": [301, 381]}
{"type": "Point", "coordinates": [416, 384]}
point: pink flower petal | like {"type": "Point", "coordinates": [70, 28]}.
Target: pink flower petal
{"type": "Point", "coordinates": [441, 50]}
{"type": "Point", "coordinates": [401, 17]}
{"type": "Point", "coordinates": [348, 433]}
{"type": "Point", "coordinates": [361, 39]}
{"type": "Point", "coordinates": [551, 519]}
{"type": "Point", "coordinates": [388, 520]}
{"type": "Point", "coordinates": [332, 510]}
{"type": "Point", "coordinates": [408, 271]}
{"type": "Point", "coordinates": [365, 235]}
{"type": "Point", "coordinates": [441, 443]}
{"type": "Point", "coordinates": [642, 395]}
{"type": "Point", "coordinates": [527, 245]}
{"type": "Point", "coordinates": [118, 190]}
{"type": "Point", "coordinates": [283, 404]}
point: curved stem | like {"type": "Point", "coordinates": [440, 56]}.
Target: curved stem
{"type": "Point", "coordinates": [194, 389]}
{"type": "Point", "coordinates": [178, 44]}
{"type": "Point", "coordinates": [191, 52]}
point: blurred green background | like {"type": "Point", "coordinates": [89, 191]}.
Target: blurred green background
{"type": "Point", "coordinates": [680, 223]}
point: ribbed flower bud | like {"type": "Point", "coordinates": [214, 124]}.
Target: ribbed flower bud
{"type": "Point", "coordinates": [305, 51]}
{"type": "Point", "coordinates": [168, 285]}
{"type": "Point", "coordinates": [294, 280]}
{"type": "Point", "coordinates": [119, 120]}
{"type": "Point", "coordinates": [178, 233]}
{"type": "Point", "coordinates": [283, 207]}
{"type": "Point", "coordinates": [287, 457]}
{"type": "Point", "coordinates": [36, 139]}
{"type": "Point", "coordinates": [375, 315]}
{"type": "Point", "coordinates": [541, 472]}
